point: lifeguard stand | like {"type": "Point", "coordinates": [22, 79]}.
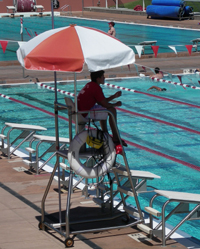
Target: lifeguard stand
{"type": "Point", "coordinates": [131, 184]}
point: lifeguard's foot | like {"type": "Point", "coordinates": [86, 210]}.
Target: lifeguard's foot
{"type": "Point", "coordinates": [116, 142]}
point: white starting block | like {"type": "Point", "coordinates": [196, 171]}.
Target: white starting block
{"type": "Point", "coordinates": [139, 180]}
{"type": "Point", "coordinates": [196, 43]}
{"type": "Point", "coordinates": [11, 8]}
{"type": "Point", "coordinates": [27, 132]}
{"type": "Point", "coordinates": [52, 148]}
{"type": "Point", "coordinates": [39, 7]}
{"type": "Point", "coordinates": [182, 200]}
{"type": "Point", "coordinates": [147, 44]}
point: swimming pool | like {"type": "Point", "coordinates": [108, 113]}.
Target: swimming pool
{"type": "Point", "coordinates": [129, 33]}
{"type": "Point", "coordinates": [162, 129]}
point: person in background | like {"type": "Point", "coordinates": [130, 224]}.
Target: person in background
{"type": "Point", "coordinates": [111, 30]}
{"type": "Point", "coordinates": [91, 97]}
{"type": "Point", "coordinates": [158, 74]}
{"type": "Point", "coordinates": [157, 88]}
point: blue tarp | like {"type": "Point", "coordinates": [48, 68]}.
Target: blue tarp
{"type": "Point", "coordinates": [188, 10]}
{"type": "Point", "coordinates": [179, 3]}
{"type": "Point", "coordinates": [164, 11]}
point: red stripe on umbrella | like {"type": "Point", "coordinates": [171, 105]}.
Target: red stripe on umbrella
{"type": "Point", "coordinates": [64, 56]}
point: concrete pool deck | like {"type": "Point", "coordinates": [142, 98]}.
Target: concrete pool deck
{"type": "Point", "coordinates": [21, 193]}
{"type": "Point", "coordinates": [13, 72]}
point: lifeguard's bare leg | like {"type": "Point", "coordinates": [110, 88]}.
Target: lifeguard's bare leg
{"type": "Point", "coordinates": [104, 126]}
{"type": "Point", "coordinates": [112, 123]}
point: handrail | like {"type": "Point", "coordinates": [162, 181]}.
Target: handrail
{"type": "Point", "coordinates": [66, 6]}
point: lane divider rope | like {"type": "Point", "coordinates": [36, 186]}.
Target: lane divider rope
{"type": "Point", "coordinates": [151, 95]}
{"type": "Point", "coordinates": [32, 106]}
{"type": "Point", "coordinates": [174, 83]}
{"type": "Point", "coordinates": [53, 89]}
{"type": "Point", "coordinates": [125, 89]}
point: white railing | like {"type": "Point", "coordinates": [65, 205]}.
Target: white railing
{"type": "Point", "coordinates": [66, 6]}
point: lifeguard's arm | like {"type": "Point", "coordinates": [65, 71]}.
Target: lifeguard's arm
{"type": "Point", "coordinates": [114, 96]}
{"type": "Point", "coordinates": [105, 103]}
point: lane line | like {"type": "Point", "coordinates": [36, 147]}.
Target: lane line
{"type": "Point", "coordinates": [128, 142]}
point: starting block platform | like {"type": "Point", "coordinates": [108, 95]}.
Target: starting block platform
{"type": "Point", "coordinates": [11, 8]}
{"type": "Point", "coordinates": [27, 132]}
{"type": "Point", "coordinates": [39, 8]}
{"type": "Point", "coordinates": [147, 44]}
{"type": "Point", "coordinates": [34, 162]}
{"type": "Point", "coordinates": [196, 43]}
{"type": "Point", "coordinates": [182, 201]}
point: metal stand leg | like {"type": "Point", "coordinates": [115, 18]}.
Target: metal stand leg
{"type": "Point", "coordinates": [46, 193]}
{"type": "Point", "coordinates": [68, 203]}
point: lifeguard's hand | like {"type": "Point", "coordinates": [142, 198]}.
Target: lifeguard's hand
{"type": "Point", "coordinates": [119, 103]}
{"type": "Point", "coordinates": [118, 94]}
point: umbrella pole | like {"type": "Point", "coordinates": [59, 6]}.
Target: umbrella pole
{"type": "Point", "coordinates": [57, 144]}
{"type": "Point", "coordinates": [56, 124]}
{"type": "Point", "coordinates": [52, 14]}
{"type": "Point", "coordinates": [75, 100]}
{"type": "Point", "coordinates": [56, 112]}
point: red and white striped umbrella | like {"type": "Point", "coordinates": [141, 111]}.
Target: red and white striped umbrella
{"type": "Point", "coordinates": [68, 49]}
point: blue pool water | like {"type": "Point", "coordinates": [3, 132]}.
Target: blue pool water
{"type": "Point", "coordinates": [159, 140]}
{"type": "Point", "coordinates": [130, 34]}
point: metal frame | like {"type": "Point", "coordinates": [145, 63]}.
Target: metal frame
{"type": "Point", "coordinates": [63, 154]}
{"type": "Point", "coordinates": [26, 135]}
{"type": "Point", "coordinates": [180, 206]}
{"type": "Point", "coordinates": [52, 148]}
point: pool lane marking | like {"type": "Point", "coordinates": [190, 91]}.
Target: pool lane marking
{"type": "Point", "coordinates": [174, 83]}
{"type": "Point", "coordinates": [32, 106]}
{"type": "Point", "coordinates": [125, 89]}
{"type": "Point", "coordinates": [159, 120]}
{"type": "Point", "coordinates": [151, 95]}
{"type": "Point", "coordinates": [190, 165]}
{"type": "Point", "coordinates": [128, 142]}
{"type": "Point", "coordinates": [53, 89]}
{"type": "Point", "coordinates": [130, 112]}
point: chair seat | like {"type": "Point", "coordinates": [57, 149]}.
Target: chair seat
{"type": "Point", "coordinates": [81, 119]}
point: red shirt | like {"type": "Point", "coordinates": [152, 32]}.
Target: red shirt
{"type": "Point", "coordinates": [90, 95]}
